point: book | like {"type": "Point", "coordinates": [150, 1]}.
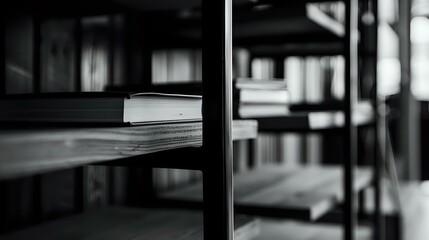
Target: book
{"type": "Point", "coordinates": [258, 84]}
{"type": "Point", "coordinates": [263, 110]}
{"type": "Point", "coordinates": [262, 91]}
{"type": "Point", "coordinates": [101, 107]}
{"type": "Point", "coordinates": [262, 97]}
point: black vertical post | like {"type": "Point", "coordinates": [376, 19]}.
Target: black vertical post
{"type": "Point", "coordinates": [78, 190]}
{"type": "Point", "coordinates": [78, 172]}
{"type": "Point", "coordinates": [279, 67]}
{"type": "Point", "coordinates": [408, 121]}
{"type": "Point", "coordinates": [249, 65]}
{"type": "Point", "coordinates": [111, 55]}
{"type": "Point", "coordinates": [36, 53]}
{"type": "Point", "coordinates": [378, 169]}
{"type": "Point", "coordinates": [217, 119]}
{"type": "Point", "coordinates": [147, 53]}
{"type": "Point", "coordinates": [78, 53]}
{"type": "Point", "coordinates": [37, 181]}
{"type": "Point", "coordinates": [279, 72]}
{"type": "Point", "coordinates": [3, 55]}
{"type": "Point", "coordinates": [351, 78]}
{"type": "Point", "coordinates": [251, 153]}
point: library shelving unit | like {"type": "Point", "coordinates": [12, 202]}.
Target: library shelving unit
{"type": "Point", "coordinates": [277, 30]}
{"type": "Point", "coordinates": [33, 150]}
{"type": "Point", "coordinates": [342, 117]}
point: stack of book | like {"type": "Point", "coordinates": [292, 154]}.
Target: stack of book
{"type": "Point", "coordinates": [261, 97]}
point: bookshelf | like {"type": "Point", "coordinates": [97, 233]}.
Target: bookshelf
{"type": "Point", "coordinates": [83, 146]}
{"type": "Point", "coordinates": [319, 117]}
{"type": "Point", "coordinates": [282, 192]}
{"type": "Point", "coordinates": [295, 29]}
{"type": "Point", "coordinates": [217, 127]}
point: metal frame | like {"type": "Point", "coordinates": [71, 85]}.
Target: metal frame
{"type": "Point", "coordinates": [3, 56]}
{"type": "Point", "coordinates": [350, 131]}
{"type": "Point", "coordinates": [378, 227]}
{"type": "Point", "coordinates": [350, 53]}
{"type": "Point", "coordinates": [217, 119]}
{"type": "Point", "coordinates": [409, 122]}
{"type": "Point", "coordinates": [36, 52]}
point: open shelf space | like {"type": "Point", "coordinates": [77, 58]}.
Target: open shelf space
{"type": "Point", "coordinates": [26, 150]}
{"type": "Point", "coordinates": [131, 223]}
{"type": "Point", "coordinates": [305, 193]}
{"type": "Point", "coordinates": [274, 229]}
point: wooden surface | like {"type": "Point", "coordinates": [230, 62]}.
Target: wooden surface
{"type": "Point", "coordinates": [301, 21]}
{"type": "Point", "coordinates": [292, 230]}
{"type": "Point", "coordinates": [313, 121]}
{"type": "Point", "coordinates": [298, 49]}
{"type": "Point", "coordinates": [129, 223]}
{"type": "Point", "coordinates": [25, 151]}
{"type": "Point", "coordinates": [303, 193]}
{"type": "Point", "coordinates": [281, 24]}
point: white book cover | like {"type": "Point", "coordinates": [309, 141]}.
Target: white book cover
{"type": "Point", "coordinates": [294, 74]}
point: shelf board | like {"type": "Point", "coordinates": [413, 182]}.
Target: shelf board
{"type": "Point", "coordinates": [298, 49]}
{"type": "Point", "coordinates": [303, 23]}
{"type": "Point", "coordinates": [315, 120]}
{"type": "Point", "coordinates": [190, 88]}
{"type": "Point", "coordinates": [159, 5]}
{"type": "Point", "coordinates": [275, 229]}
{"type": "Point", "coordinates": [26, 151]}
{"type": "Point", "coordinates": [131, 223]}
{"type": "Point", "coordinates": [280, 191]}
{"type": "Point", "coordinates": [335, 105]}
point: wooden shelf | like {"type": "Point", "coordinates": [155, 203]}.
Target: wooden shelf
{"type": "Point", "coordinates": [163, 5]}
{"type": "Point", "coordinates": [291, 230]}
{"type": "Point", "coordinates": [39, 150]}
{"type": "Point", "coordinates": [131, 223]}
{"type": "Point", "coordinates": [335, 105]}
{"type": "Point", "coordinates": [298, 49]}
{"type": "Point", "coordinates": [315, 120]}
{"type": "Point", "coordinates": [303, 23]}
{"type": "Point", "coordinates": [305, 193]}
